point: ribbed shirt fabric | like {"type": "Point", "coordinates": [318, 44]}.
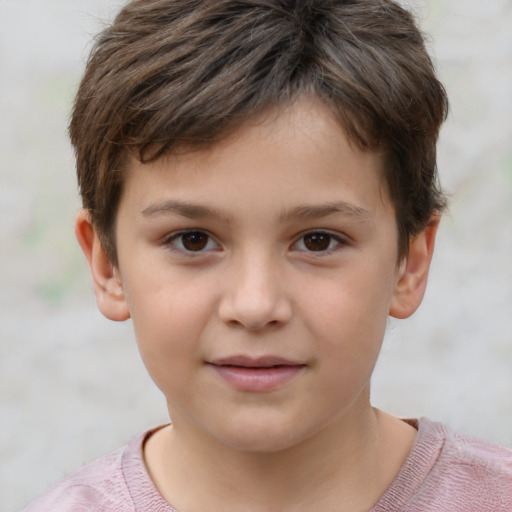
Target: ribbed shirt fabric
{"type": "Point", "coordinates": [445, 472]}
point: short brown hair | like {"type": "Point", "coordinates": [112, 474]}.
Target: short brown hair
{"type": "Point", "coordinates": [168, 72]}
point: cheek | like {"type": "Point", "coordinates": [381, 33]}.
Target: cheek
{"type": "Point", "coordinates": [168, 303]}
{"type": "Point", "coordinates": [169, 318]}
{"type": "Point", "coordinates": [349, 306]}
{"type": "Point", "coordinates": [348, 318]}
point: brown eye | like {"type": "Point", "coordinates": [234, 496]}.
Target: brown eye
{"type": "Point", "coordinates": [317, 241]}
{"type": "Point", "coordinates": [194, 240]}
{"type": "Point", "coordinates": [321, 242]}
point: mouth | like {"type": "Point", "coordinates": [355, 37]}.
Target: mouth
{"type": "Point", "coordinates": [261, 374]}
{"type": "Point", "coordinates": [255, 362]}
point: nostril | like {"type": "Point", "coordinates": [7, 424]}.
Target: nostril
{"type": "Point", "coordinates": [254, 299]}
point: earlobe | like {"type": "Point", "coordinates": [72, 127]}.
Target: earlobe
{"type": "Point", "coordinates": [108, 287]}
{"type": "Point", "coordinates": [413, 272]}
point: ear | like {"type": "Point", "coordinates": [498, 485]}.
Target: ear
{"type": "Point", "coordinates": [108, 286]}
{"type": "Point", "coordinates": [413, 272]}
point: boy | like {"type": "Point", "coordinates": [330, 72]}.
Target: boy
{"type": "Point", "coordinates": [260, 193]}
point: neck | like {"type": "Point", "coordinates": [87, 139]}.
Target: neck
{"type": "Point", "coordinates": [345, 467]}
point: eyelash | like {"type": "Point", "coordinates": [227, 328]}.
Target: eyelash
{"type": "Point", "coordinates": [172, 241]}
{"type": "Point", "coordinates": [338, 240]}
{"type": "Point", "coordinates": [178, 238]}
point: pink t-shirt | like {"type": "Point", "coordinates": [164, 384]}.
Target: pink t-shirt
{"type": "Point", "coordinates": [445, 472]}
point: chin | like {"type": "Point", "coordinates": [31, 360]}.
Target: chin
{"type": "Point", "coordinates": [262, 437]}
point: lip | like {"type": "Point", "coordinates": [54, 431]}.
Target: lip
{"type": "Point", "coordinates": [260, 374]}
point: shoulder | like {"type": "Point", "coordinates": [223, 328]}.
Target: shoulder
{"type": "Point", "coordinates": [447, 470]}
{"type": "Point", "coordinates": [465, 473]}
{"type": "Point", "coordinates": [470, 462]}
{"type": "Point", "coordinates": [99, 485]}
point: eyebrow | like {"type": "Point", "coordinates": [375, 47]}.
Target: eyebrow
{"type": "Point", "coordinates": [340, 208]}
{"type": "Point", "coordinates": [185, 209]}
{"type": "Point", "coordinates": [197, 211]}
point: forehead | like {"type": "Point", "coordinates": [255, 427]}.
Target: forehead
{"type": "Point", "coordinates": [276, 156]}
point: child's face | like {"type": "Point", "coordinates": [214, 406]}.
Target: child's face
{"type": "Point", "coordinates": [259, 275]}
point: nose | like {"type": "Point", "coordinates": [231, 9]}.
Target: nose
{"type": "Point", "coordinates": [254, 295]}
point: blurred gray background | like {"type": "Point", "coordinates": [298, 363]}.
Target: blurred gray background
{"type": "Point", "coordinates": [71, 383]}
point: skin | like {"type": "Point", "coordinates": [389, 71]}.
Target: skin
{"type": "Point", "coordinates": [294, 255]}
